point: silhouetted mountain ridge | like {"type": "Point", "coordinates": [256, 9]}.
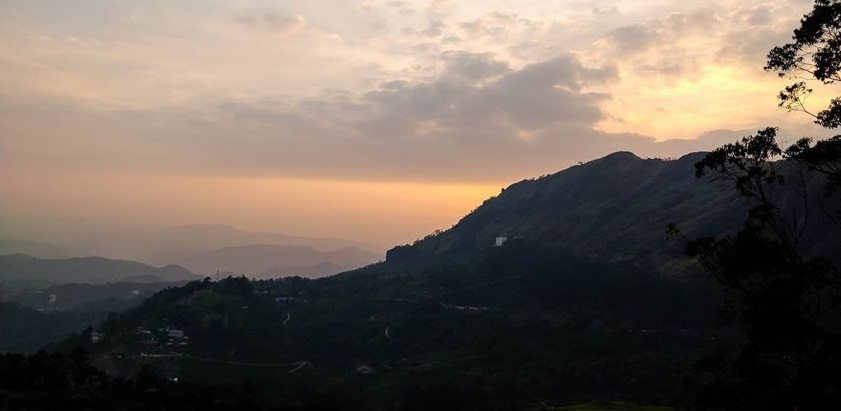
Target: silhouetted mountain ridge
{"type": "Point", "coordinates": [615, 208]}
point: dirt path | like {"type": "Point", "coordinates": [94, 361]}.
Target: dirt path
{"type": "Point", "coordinates": [297, 365]}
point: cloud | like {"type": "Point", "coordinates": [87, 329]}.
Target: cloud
{"type": "Point", "coordinates": [439, 96]}
{"type": "Point", "coordinates": [602, 11]}
{"type": "Point", "coordinates": [401, 7]}
{"type": "Point", "coordinates": [434, 28]}
{"type": "Point", "coordinates": [631, 40]}
{"type": "Point", "coordinates": [474, 66]}
{"type": "Point", "coordinates": [474, 29]}
{"type": "Point", "coordinates": [704, 36]}
{"type": "Point", "coordinates": [462, 125]}
{"type": "Point", "coordinates": [441, 6]}
{"type": "Point", "coordinates": [756, 30]}
{"type": "Point", "coordinates": [669, 61]}
{"type": "Point", "coordinates": [500, 28]}
{"type": "Point", "coordinates": [661, 33]}
{"type": "Point", "coordinates": [532, 98]}
{"type": "Point", "coordinates": [273, 21]}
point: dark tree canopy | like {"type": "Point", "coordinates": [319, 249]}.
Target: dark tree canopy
{"type": "Point", "coordinates": [786, 304]}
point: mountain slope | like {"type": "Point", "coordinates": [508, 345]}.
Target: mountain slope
{"type": "Point", "coordinates": [616, 208]}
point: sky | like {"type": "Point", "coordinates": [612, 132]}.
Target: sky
{"type": "Point", "coordinates": [376, 121]}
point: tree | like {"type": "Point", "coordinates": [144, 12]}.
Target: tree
{"type": "Point", "coordinates": [816, 54]}
{"type": "Point", "coordinates": [786, 300]}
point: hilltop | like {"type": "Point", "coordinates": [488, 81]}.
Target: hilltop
{"type": "Point", "coordinates": [615, 209]}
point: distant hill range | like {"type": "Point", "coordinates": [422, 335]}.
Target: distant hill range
{"type": "Point", "coordinates": [617, 209]}
{"type": "Point", "coordinates": [150, 247]}
{"type": "Point", "coordinates": [37, 249]}
{"type": "Point", "coordinates": [22, 271]}
{"type": "Point", "coordinates": [268, 260]}
{"type": "Point", "coordinates": [207, 248]}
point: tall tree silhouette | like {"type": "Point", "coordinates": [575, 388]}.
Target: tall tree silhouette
{"type": "Point", "coordinates": [785, 300]}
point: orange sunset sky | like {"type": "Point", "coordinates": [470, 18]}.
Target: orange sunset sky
{"type": "Point", "coordinates": [376, 121]}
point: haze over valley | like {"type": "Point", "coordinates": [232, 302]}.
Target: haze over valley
{"type": "Point", "coordinates": [206, 249]}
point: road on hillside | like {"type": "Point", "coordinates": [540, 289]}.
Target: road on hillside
{"type": "Point", "coordinates": [296, 365]}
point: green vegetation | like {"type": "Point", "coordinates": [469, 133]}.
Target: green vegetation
{"type": "Point", "coordinates": [507, 326]}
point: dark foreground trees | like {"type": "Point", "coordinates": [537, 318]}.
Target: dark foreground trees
{"type": "Point", "coordinates": [55, 381]}
{"type": "Point", "coordinates": [785, 299]}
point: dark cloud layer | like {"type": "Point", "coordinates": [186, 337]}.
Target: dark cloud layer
{"type": "Point", "coordinates": [479, 120]}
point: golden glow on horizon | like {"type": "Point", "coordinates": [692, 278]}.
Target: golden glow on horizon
{"type": "Point", "coordinates": [379, 213]}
